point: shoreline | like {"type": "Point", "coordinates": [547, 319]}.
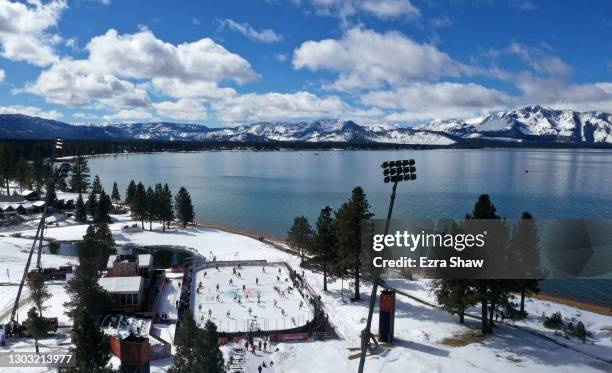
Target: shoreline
{"type": "Point", "coordinates": [602, 310]}
{"type": "Point", "coordinates": [585, 306]}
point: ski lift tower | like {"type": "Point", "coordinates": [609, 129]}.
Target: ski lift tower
{"type": "Point", "coordinates": [13, 325]}
{"type": "Point", "coordinates": [393, 172]}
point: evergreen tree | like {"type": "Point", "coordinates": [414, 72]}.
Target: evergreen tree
{"type": "Point", "coordinates": [494, 291]}
{"type": "Point", "coordinates": [103, 207]}
{"type": "Point", "coordinates": [524, 244]}
{"type": "Point", "coordinates": [96, 185]}
{"type": "Point", "coordinates": [115, 196]}
{"type": "Point", "coordinates": [61, 176]}
{"type": "Point", "coordinates": [23, 173]}
{"type": "Point", "coordinates": [184, 207]}
{"type": "Point", "coordinates": [455, 296]}
{"type": "Point", "coordinates": [213, 357]}
{"type": "Point", "coordinates": [85, 293]}
{"type": "Point", "coordinates": [92, 203]}
{"type": "Point", "coordinates": [6, 166]}
{"type": "Point", "coordinates": [81, 211]}
{"type": "Point", "coordinates": [323, 256]}
{"type": "Point", "coordinates": [36, 325]}
{"type": "Point", "coordinates": [299, 236]}
{"type": "Point", "coordinates": [40, 170]}
{"type": "Point", "coordinates": [91, 346]}
{"type": "Point", "coordinates": [79, 182]}
{"type": "Point", "coordinates": [197, 350]}
{"type": "Point", "coordinates": [138, 204]}
{"type": "Point", "coordinates": [130, 193]}
{"type": "Point", "coordinates": [38, 290]}
{"type": "Point", "coordinates": [51, 195]}
{"type": "Point", "coordinates": [166, 209]}
{"type": "Point", "coordinates": [151, 206]}
{"type": "Point", "coordinates": [349, 218]}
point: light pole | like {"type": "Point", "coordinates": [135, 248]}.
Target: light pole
{"type": "Point", "coordinates": [393, 172]}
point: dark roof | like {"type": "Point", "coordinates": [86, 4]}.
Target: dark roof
{"type": "Point", "coordinates": [11, 199]}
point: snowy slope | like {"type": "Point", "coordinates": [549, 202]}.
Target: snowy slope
{"type": "Point", "coordinates": [532, 121]}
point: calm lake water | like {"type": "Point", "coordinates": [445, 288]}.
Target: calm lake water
{"type": "Point", "coordinates": [263, 191]}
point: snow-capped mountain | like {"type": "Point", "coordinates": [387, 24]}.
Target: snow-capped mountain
{"type": "Point", "coordinates": [531, 123]}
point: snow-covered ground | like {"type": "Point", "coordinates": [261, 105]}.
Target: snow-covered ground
{"type": "Point", "coordinates": [423, 333]}
{"type": "Point", "coordinates": [250, 301]}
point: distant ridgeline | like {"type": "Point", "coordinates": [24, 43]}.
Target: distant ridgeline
{"type": "Point", "coordinates": [528, 126]}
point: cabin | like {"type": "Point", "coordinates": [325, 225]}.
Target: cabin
{"type": "Point", "coordinates": [30, 195]}
{"type": "Point", "coordinates": [127, 293]}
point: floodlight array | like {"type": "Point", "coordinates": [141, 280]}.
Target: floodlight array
{"type": "Point", "coordinates": [396, 171]}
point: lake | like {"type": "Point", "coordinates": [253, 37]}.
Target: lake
{"type": "Point", "coordinates": [263, 191]}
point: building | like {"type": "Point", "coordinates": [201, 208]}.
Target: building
{"type": "Point", "coordinates": [129, 265]}
{"type": "Point", "coordinates": [127, 293]}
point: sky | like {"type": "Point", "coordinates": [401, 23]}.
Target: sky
{"type": "Point", "coordinates": [223, 63]}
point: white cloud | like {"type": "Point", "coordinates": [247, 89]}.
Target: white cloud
{"type": "Point", "coordinates": [184, 110]}
{"type": "Point", "coordinates": [177, 88]}
{"type": "Point", "coordinates": [565, 95]}
{"type": "Point", "coordinates": [142, 55]}
{"type": "Point", "coordinates": [390, 8]}
{"type": "Point", "coordinates": [378, 8]}
{"type": "Point", "coordinates": [278, 106]}
{"type": "Point", "coordinates": [73, 83]}
{"type": "Point", "coordinates": [368, 59]}
{"type": "Point", "coordinates": [105, 78]}
{"type": "Point", "coordinates": [540, 61]}
{"type": "Point", "coordinates": [31, 111]}
{"type": "Point", "coordinates": [24, 30]}
{"type": "Point", "coordinates": [266, 36]}
{"type": "Point", "coordinates": [2, 75]}
{"type": "Point", "coordinates": [131, 115]}
{"type": "Point", "coordinates": [426, 101]}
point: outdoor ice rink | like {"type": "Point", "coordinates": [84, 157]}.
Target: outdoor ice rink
{"type": "Point", "coordinates": [251, 289]}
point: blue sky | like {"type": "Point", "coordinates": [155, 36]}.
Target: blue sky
{"type": "Point", "coordinates": [222, 63]}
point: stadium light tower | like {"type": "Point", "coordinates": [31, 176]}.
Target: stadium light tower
{"type": "Point", "coordinates": [393, 172]}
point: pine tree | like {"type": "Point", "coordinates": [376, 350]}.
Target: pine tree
{"type": "Point", "coordinates": [348, 229]}
{"type": "Point", "coordinates": [79, 182]}
{"type": "Point", "coordinates": [6, 165]}
{"type": "Point", "coordinates": [151, 206]}
{"type": "Point", "coordinates": [81, 212]}
{"type": "Point", "coordinates": [115, 196]}
{"type": "Point", "coordinates": [197, 350]}
{"type": "Point", "coordinates": [91, 345]}
{"type": "Point", "coordinates": [51, 195]}
{"type": "Point", "coordinates": [96, 185]}
{"type": "Point", "coordinates": [524, 244]}
{"type": "Point", "coordinates": [299, 236]}
{"type": "Point", "coordinates": [494, 291]}
{"type": "Point", "coordinates": [213, 357]}
{"type": "Point", "coordinates": [103, 207]}
{"type": "Point", "coordinates": [165, 210]}
{"type": "Point", "coordinates": [23, 173]}
{"type": "Point", "coordinates": [36, 325]}
{"type": "Point", "coordinates": [323, 256]}
{"type": "Point", "coordinates": [138, 204]}
{"type": "Point", "coordinates": [454, 295]}
{"type": "Point", "coordinates": [92, 203]}
{"type": "Point", "coordinates": [85, 293]}
{"type": "Point", "coordinates": [40, 170]}
{"type": "Point", "coordinates": [38, 290]}
{"type": "Point", "coordinates": [61, 176]}
{"type": "Point", "coordinates": [184, 207]}
{"type": "Point", "coordinates": [130, 193]}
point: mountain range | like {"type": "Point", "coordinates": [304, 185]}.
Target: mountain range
{"type": "Point", "coordinates": [530, 124]}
